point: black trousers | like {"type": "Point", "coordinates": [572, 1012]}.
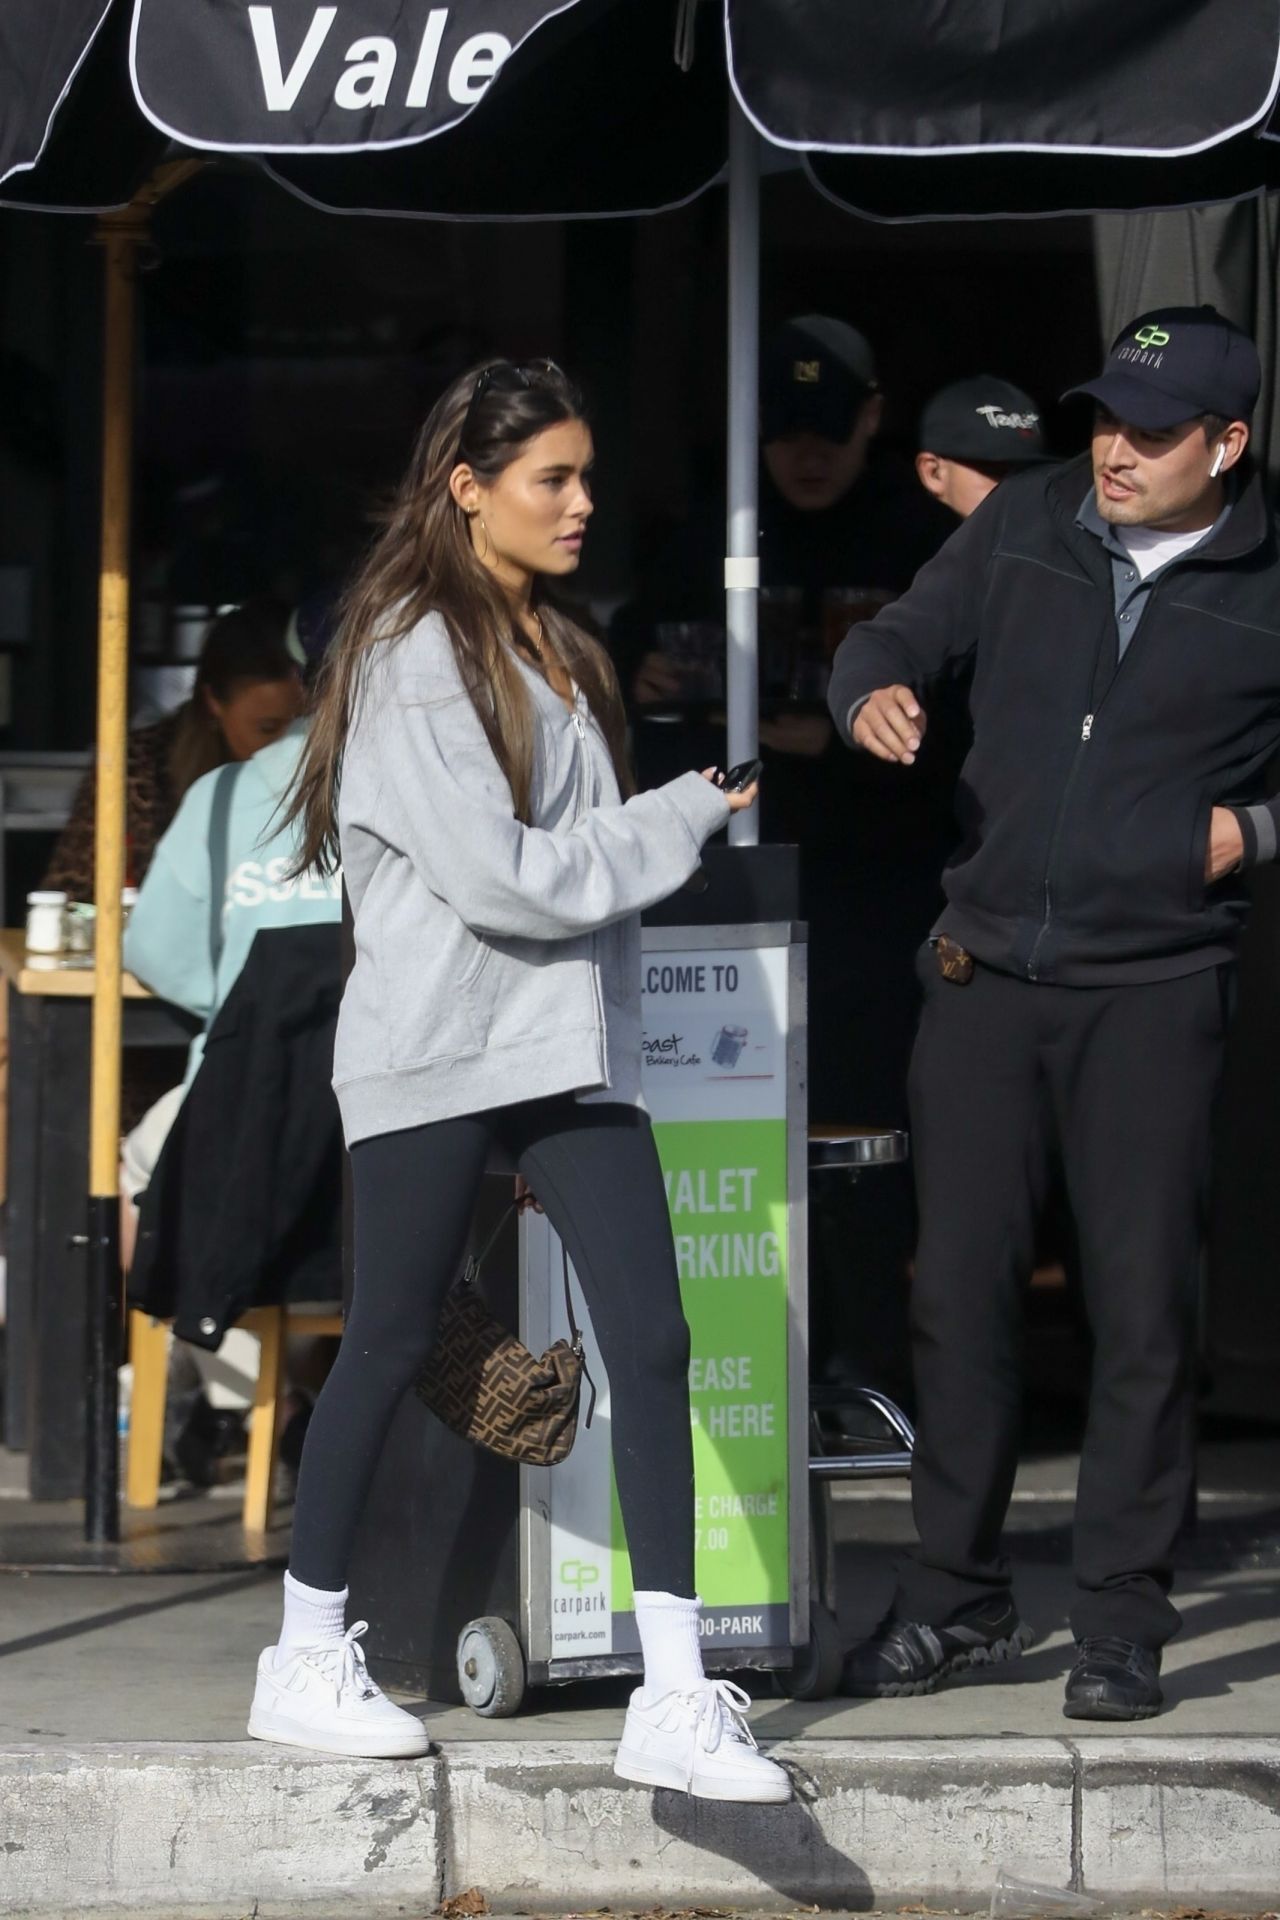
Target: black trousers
{"type": "Point", "coordinates": [1124, 1078]}
{"type": "Point", "coordinates": [595, 1169]}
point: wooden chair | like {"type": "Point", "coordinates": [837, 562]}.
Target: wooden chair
{"type": "Point", "coordinates": [149, 1355]}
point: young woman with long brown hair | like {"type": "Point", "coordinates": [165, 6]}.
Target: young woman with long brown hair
{"type": "Point", "coordinates": [247, 692]}
{"type": "Point", "coordinates": [467, 763]}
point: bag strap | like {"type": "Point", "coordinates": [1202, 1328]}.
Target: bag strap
{"type": "Point", "coordinates": [471, 1273]}
{"type": "Point", "coordinates": [219, 833]}
{"type": "Point", "coordinates": [476, 1260]}
{"type": "Point", "coordinates": [577, 1335]}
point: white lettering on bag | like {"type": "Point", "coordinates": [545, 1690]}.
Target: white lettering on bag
{"type": "Point", "coordinates": [282, 91]}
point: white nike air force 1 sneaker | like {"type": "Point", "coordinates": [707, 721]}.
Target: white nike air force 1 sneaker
{"type": "Point", "coordinates": [699, 1743]}
{"type": "Point", "coordinates": [323, 1698]}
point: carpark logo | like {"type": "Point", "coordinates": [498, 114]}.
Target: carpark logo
{"type": "Point", "coordinates": [583, 1577]}
{"type": "Point", "coordinates": [579, 1574]}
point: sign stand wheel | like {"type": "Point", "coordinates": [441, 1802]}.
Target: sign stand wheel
{"type": "Point", "coordinates": [491, 1669]}
{"type": "Point", "coordinates": [817, 1669]}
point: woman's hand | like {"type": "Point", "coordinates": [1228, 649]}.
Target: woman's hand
{"type": "Point", "coordinates": [737, 801]}
{"type": "Point", "coordinates": [526, 1198]}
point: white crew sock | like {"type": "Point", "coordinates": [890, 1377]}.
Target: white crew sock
{"type": "Point", "coordinates": [313, 1616]}
{"type": "Point", "coordinates": [669, 1641]}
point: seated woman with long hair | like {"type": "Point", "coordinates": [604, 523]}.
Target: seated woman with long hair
{"type": "Point", "coordinates": [247, 691]}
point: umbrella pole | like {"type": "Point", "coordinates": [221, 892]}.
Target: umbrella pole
{"type": "Point", "coordinates": [742, 565]}
{"type": "Point", "coordinates": [120, 235]}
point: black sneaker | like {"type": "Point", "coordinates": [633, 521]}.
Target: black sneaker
{"type": "Point", "coordinates": [1113, 1679]}
{"type": "Point", "coordinates": [905, 1656]}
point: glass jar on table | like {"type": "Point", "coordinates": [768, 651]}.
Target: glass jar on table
{"type": "Point", "coordinates": [46, 922]}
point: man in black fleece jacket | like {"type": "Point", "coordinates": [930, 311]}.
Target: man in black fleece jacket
{"type": "Point", "coordinates": [1122, 617]}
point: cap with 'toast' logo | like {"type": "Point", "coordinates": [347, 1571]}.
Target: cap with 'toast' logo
{"type": "Point", "coordinates": [1174, 364]}
{"type": "Point", "coordinates": [985, 422]}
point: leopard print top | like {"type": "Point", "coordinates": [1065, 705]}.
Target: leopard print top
{"type": "Point", "coordinates": [150, 805]}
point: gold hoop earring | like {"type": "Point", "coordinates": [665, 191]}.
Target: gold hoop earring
{"type": "Point", "coordinates": [485, 531]}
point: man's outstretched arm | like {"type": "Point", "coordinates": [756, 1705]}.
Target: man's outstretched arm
{"type": "Point", "coordinates": [882, 665]}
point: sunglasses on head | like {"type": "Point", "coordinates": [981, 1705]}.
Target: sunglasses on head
{"type": "Point", "coordinates": [506, 376]}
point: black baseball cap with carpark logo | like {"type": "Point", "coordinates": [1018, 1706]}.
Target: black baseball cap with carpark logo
{"type": "Point", "coordinates": [1174, 364]}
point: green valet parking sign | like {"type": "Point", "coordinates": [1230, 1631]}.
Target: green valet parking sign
{"type": "Point", "coordinates": [723, 1038]}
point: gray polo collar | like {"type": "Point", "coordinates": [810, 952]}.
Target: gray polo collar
{"type": "Point", "coordinates": [1092, 521]}
{"type": "Point", "coordinates": [1129, 590]}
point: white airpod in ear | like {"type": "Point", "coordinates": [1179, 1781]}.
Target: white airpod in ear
{"type": "Point", "coordinates": [1218, 459]}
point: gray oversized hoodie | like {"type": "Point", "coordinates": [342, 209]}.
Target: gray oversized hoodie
{"type": "Point", "coordinates": [494, 962]}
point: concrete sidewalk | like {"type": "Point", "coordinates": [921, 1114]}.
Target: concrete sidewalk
{"type": "Point", "coordinates": [125, 1778]}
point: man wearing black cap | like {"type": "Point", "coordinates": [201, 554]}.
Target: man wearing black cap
{"type": "Point", "coordinates": [1122, 614]}
{"type": "Point", "coordinates": [820, 410]}
{"type": "Point", "coordinates": [973, 434]}
{"type": "Point", "coordinates": [832, 514]}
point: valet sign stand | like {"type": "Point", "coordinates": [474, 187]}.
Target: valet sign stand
{"type": "Point", "coordinates": [724, 1054]}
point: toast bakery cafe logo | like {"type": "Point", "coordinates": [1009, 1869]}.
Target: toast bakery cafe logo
{"type": "Point", "coordinates": [1021, 422]}
{"type": "Point", "coordinates": [375, 68]}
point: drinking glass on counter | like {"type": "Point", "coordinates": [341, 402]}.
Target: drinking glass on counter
{"type": "Point", "coordinates": [80, 923]}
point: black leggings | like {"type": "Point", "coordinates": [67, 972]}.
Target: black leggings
{"type": "Point", "coordinates": [595, 1169]}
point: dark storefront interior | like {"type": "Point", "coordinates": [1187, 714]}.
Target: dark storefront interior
{"type": "Point", "coordinates": [287, 356]}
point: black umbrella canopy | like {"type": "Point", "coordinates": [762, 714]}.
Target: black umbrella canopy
{"type": "Point", "coordinates": [1153, 103]}
{"type": "Point", "coordinates": [42, 42]}
{"type": "Point", "coordinates": [1137, 78]}
{"type": "Point", "coordinates": [1011, 186]}
{"type": "Point", "coordinates": [589, 111]}
{"type": "Point", "coordinates": [579, 107]}
{"type": "Point", "coordinates": [592, 116]}
{"type": "Point", "coordinates": [71, 137]}
{"type": "Point", "coordinates": [289, 76]}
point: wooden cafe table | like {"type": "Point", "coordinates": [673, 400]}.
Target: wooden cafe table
{"type": "Point", "coordinates": [49, 1018]}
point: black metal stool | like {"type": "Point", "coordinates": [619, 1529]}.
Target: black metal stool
{"type": "Point", "coordinates": [851, 1153]}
